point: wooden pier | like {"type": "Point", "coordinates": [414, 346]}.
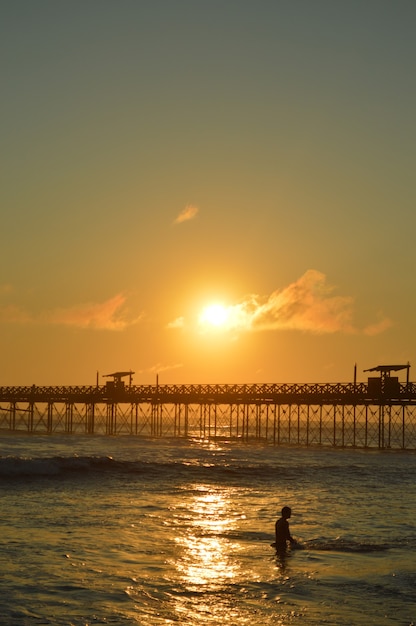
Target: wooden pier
{"type": "Point", "coordinates": [380, 413]}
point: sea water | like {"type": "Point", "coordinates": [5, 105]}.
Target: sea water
{"type": "Point", "coordinates": [123, 531]}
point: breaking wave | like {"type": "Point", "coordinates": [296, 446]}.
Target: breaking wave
{"type": "Point", "coordinates": [22, 467]}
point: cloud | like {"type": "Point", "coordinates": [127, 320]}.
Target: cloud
{"type": "Point", "coordinates": [108, 315]}
{"type": "Point", "coordinates": [378, 327]}
{"type": "Point", "coordinates": [179, 322]}
{"type": "Point", "coordinates": [159, 367]}
{"type": "Point", "coordinates": [112, 314]}
{"type": "Point", "coordinates": [188, 213]}
{"type": "Point", "coordinates": [12, 314]}
{"type": "Point", "coordinates": [309, 304]}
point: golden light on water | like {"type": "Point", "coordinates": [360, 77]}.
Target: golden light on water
{"type": "Point", "coordinates": [205, 560]}
{"type": "Point", "coordinates": [207, 555]}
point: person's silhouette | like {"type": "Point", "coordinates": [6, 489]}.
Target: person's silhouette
{"type": "Point", "coordinates": [282, 532]}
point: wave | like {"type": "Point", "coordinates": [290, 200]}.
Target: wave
{"type": "Point", "coordinates": [15, 467]}
{"type": "Point", "coordinates": [179, 464]}
{"type": "Point", "coordinates": [318, 544]}
{"type": "Point", "coordinates": [341, 545]}
{"type": "Point", "coordinates": [235, 466]}
{"type": "Point", "coordinates": [23, 467]}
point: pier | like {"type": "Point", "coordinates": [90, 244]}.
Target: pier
{"type": "Point", "coordinates": [380, 413]}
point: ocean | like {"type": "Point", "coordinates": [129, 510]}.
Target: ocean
{"type": "Point", "coordinates": [137, 531]}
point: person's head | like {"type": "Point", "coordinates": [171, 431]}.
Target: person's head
{"type": "Point", "coordinates": [286, 512]}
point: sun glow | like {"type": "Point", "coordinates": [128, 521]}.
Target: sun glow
{"type": "Point", "coordinates": [214, 315]}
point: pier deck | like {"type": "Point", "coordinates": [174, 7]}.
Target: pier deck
{"type": "Point", "coordinates": [378, 414]}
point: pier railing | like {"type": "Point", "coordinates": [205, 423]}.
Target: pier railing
{"type": "Point", "coordinates": [332, 414]}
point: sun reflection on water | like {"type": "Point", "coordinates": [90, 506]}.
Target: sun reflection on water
{"type": "Point", "coordinates": [207, 555]}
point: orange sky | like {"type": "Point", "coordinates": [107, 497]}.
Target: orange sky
{"type": "Point", "coordinates": [160, 158]}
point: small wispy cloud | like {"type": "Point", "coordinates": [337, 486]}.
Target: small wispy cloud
{"type": "Point", "coordinates": [179, 322]}
{"type": "Point", "coordinates": [160, 367]}
{"type": "Point", "coordinates": [188, 213]}
{"type": "Point", "coordinates": [11, 314]}
{"type": "Point", "coordinates": [379, 327]}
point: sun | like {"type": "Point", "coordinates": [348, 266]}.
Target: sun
{"type": "Point", "coordinates": [214, 315]}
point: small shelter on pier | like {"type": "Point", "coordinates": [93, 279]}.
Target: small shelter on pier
{"type": "Point", "coordinates": [386, 384]}
{"type": "Point", "coordinates": [117, 384]}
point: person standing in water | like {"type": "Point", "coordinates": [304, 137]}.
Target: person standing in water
{"type": "Point", "coordinates": [282, 532]}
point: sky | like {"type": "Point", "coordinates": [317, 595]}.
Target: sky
{"type": "Point", "coordinates": [202, 191]}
